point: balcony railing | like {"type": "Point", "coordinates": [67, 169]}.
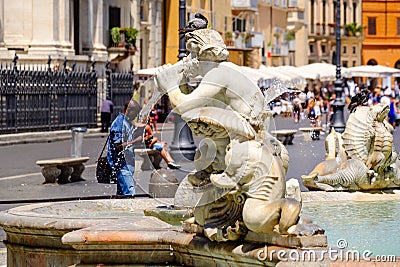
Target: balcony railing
{"type": "Point", "coordinates": [244, 40]}
{"type": "Point", "coordinates": [295, 15]}
{"type": "Point", "coordinates": [295, 19]}
{"type": "Point", "coordinates": [292, 45]}
{"type": "Point", "coordinates": [245, 5]}
{"type": "Point", "coordinates": [280, 50]}
{"type": "Point", "coordinates": [328, 29]}
{"type": "Point", "coordinates": [293, 3]}
{"type": "Point", "coordinates": [256, 40]}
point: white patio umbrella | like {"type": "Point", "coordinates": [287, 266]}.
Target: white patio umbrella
{"type": "Point", "coordinates": [293, 70]}
{"type": "Point", "coordinates": [283, 73]}
{"type": "Point", "coordinates": [274, 72]}
{"type": "Point", "coordinates": [254, 74]}
{"type": "Point", "coordinates": [322, 71]}
{"type": "Point", "coordinates": [373, 71]}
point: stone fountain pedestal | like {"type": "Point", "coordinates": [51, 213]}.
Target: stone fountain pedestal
{"type": "Point", "coordinates": [151, 241]}
{"type": "Point", "coordinates": [88, 233]}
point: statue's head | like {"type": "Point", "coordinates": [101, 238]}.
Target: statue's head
{"type": "Point", "coordinates": [206, 45]}
{"type": "Point", "coordinates": [380, 111]}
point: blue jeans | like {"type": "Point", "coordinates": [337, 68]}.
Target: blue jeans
{"type": "Point", "coordinates": [125, 182]}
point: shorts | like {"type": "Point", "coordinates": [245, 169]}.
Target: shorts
{"type": "Point", "coordinates": [392, 118]}
{"type": "Point", "coordinates": [158, 146]}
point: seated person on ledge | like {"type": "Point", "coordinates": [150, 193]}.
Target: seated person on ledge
{"type": "Point", "coordinates": [152, 142]}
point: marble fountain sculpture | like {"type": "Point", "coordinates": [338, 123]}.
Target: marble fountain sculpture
{"type": "Point", "coordinates": [236, 192]}
{"type": "Point", "coordinates": [239, 180]}
{"type": "Point", "coordinates": [362, 158]}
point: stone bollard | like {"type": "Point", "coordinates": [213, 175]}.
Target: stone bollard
{"type": "Point", "coordinates": [163, 184]}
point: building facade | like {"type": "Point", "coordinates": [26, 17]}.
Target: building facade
{"type": "Point", "coordinates": [382, 40]}
{"type": "Point", "coordinates": [297, 32]}
{"type": "Point", "coordinates": [218, 13]}
{"type": "Point", "coordinates": [322, 15]}
{"type": "Point", "coordinates": [272, 22]}
{"type": "Point", "coordinates": [80, 30]}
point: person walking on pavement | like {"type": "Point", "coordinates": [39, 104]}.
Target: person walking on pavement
{"type": "Point", "coordinates": [120, 153]}
{"type": "Point", "coordinates": [106, 111]}
{"type": "Point", "coordinates": [297, 109]}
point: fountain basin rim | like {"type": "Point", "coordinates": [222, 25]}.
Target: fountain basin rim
{"type": "Point", "coordinates": [357, 196]}
{"type": "Point", "coordinates": [35, 215]}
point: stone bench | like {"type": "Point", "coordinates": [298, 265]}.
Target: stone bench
{"type": "Point", "coordinates": [60, 169]}
{"type": "Point", "coordinates": [311, 133]}
{"type": "Point", "coordinates": [285, 136]}
{"type": "Point", "coordinates": [151, 158]}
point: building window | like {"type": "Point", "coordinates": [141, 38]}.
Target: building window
{"type": "Point", "coordinates": [354, 12]}
{"type": "Point", "coordinates": [323, 49]}
{"type": "Point", "coordinates": [311, 49]}
{"type": "Point", "coordinates": [354, 63]}
{"type": "Point", "coordinates": [293, 3]}
{"type": "Point", "coordinates": [398, 26]}
{"type": "Point", "coordinates": [114, 17]}
{"type": "Point", "coordinates": [114, 20]}
{"type": "Point", "coordinates": [354, 49]}
{"type": "Point", "coordinates": [312, 16]}
{"type": "Point", "coordinates": [202, 4]}
{"type": "Point", "coordinates": [344, 49]}
{"type": "Point", "coordinates": [239, 24]}
{"type": "Point", "coordinates": [144, 11]}
{"type": "Point", "coordinates": [372, 26]}
{"type": "Point", "coordinates": [225, 23]}
{"type": "Point", "coordinates": [345, 13]}
{"type": "Point", "coordinates": [334, 11]}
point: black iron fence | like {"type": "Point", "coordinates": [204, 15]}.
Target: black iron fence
{"type": "Point", "coordinates": [46, 99]}
{"type": "Point", "coordinates": [119, 88]}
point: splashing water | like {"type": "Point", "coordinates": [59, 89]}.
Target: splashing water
{"type": "Point", "coordinates": [277, 88]}
{"type": "Point", "coordinates": [155, 97]}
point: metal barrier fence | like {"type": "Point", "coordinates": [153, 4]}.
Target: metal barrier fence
{"type": "Point", "coordinates": [46, 100]}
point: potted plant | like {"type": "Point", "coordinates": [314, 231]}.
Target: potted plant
{"type": "Point", "coordinates": [115, 35]}
{"type": "Point", "coordinates": [290, 36]}
{"type": "Point", "coordinates": [246, 39]}
{"type": "Point", "coordinates": [229, 38]}
{"type": "Point", "coordinates": [130, 36]}
{"type": "Point", "coordinates": [352, 29]}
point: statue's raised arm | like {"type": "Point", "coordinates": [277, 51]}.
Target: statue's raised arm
{"type": "Point", "coordinates": [222, 85]}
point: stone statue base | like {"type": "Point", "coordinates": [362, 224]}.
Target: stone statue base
{"type": "Point", "coordinates": [289, 241]}
{"type": "Point", "coordinates": [272, 238]}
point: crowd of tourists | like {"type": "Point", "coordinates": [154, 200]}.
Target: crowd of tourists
{"type": "Point", "coordinates": [315, 103]}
